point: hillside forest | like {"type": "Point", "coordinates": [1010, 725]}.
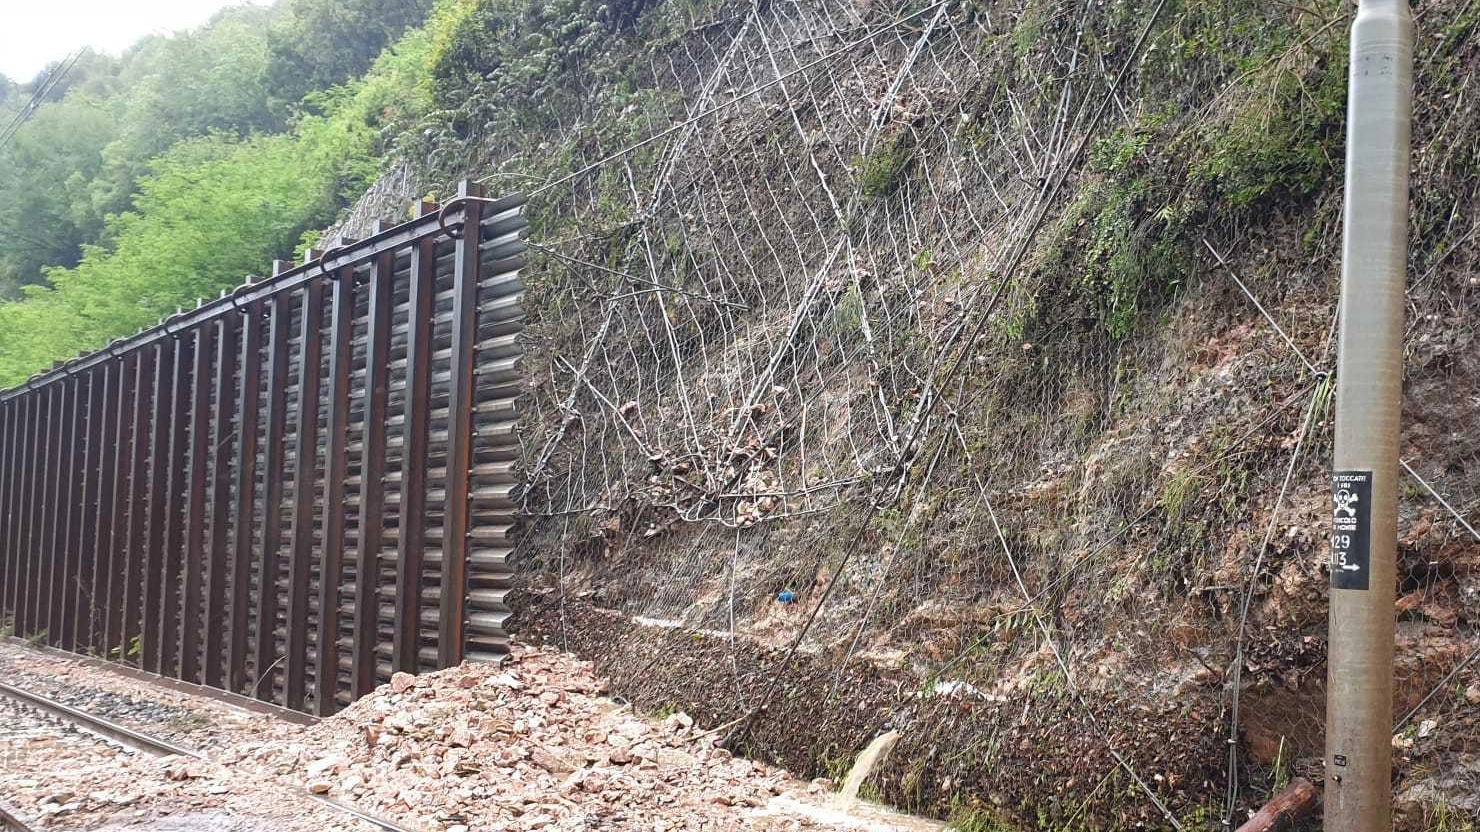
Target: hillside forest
{"type": "Point", "coordinates": [136, 183]}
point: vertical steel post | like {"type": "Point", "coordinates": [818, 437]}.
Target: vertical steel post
{"type": "Point", "coordinates": [174, 525]}
{"type": "Point", "coordinates": [62, 502]}
{"type": "Point", "coordinates": [372, 476]}
{"type": "Point", "coordinates": [14, 506]}
{"type": "Point", "coordinates": [336, 470]}
{"type": "Point", "coordinates": [10, 441]}
{"type": "Point", "coordinates": [416, 408]}
{"type": "Point", "coordinates": [1369, 392]}
{"type": "Point", "coordinates": [306, 435]}
{"type": "Point", "coordinates": [455, 528]}
{"type": "Point", "coordinates": [120, 429]}
{"type": "Point", "coordinates": [10, 444]}
{"type": "Point", "coordinates": [222, 438]}
{"type": "Point", "coordinates": [197, 499]}
{"type": "Point", "coordinates": [51, 515]}
{"type": "Point", "coordinates": [159, 484]}
{"type": "Point", "coordinates": [36, 455]}
{"type": "Point", "coordinates": [248, 422]}
{"type": "Point", "coordinates": [15, 545]}
{"type": "Point", "coordinates": [272, 471]}
{"type": "Point", "coordinates": [102, 559]}
{"type": "Point", "coordinates": [138, 503]}
{"type": "Point", "coordinates": [7, 413]}
{"type": "Point", "coordinates": [17, 531]}
{"type": "Point", "coordinates": [86, 528]}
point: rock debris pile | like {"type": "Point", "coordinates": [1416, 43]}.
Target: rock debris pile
{"type": "Point", "coordinates": [532, 745]}
{"type": "Point", "coordinates": [535, 746]}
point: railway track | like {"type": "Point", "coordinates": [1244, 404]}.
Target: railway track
{"type": "Point", "coordinates": [138, 742]}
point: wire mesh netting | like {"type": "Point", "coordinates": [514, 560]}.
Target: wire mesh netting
{"type": "Point", "coordinates": [992, 343]}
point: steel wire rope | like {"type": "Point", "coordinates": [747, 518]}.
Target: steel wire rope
{"type": "Point", "coordinates": [1232, 787]}
{"type": "Point", "coordinates": [1053, 646]}
{"type": "Point", "coordinates": [740, 97]}
{"type": "Point", "coordinates": [769, 691]}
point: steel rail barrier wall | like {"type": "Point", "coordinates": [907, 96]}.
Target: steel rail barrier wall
{"type": "Point", "coordinates": [294, 490]}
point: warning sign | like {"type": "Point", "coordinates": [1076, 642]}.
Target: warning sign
{"type": "Point", "coordinates": [1351, 529]}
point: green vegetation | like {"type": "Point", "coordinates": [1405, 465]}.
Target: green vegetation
{"type": "Point", "coordinates": [179, 175]}
{"type": "Point", "coordinates": [972, 817]}
{"type": "Point", "coordinates": [883, 169]}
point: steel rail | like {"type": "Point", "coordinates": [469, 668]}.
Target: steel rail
{"type": "Point", "coordinates": [96, 725]}
{"type": "Point", "coordinates": [10, 821]}
{"type": "Point", "coordinates": [143, 743]}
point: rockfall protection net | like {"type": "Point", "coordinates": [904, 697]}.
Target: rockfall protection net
{"type": "Point", "coordinates": [917, 314]}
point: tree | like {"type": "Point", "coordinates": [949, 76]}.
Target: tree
{"type": "Point", "coordinates": [318, 44]}
{"type": "Point", "coordinates": [45, 171]}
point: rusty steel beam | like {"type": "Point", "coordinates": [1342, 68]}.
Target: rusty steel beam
{"type": "Point", "coordinates": [71, 498]}
{"type": "Point", "coordinates": [26, 547]}
{"type": "Point", "coordinates": [15, 508]}
{"type": "Point", "coordinates": [68, 498]}
{"type": "Point", "coordinates": [306, 436]}
{"type": "Point", "coordinates": [248, 422]}
{"type": "Point", "coordinates": [138, 505]}
{"type": "Point", "coordinates": [7, 483]}
{"type": "Point", "coordinates": [27, 505]}
{"type": "Point", "coordinates": [285, 280]}
{"type": "Point", "coordinates": [36, 440]}
{"type": "Point", "coordinates": [45, 519]}
{"type": "Point", "coordinates": [34, 499]}
{"type": "Point", "coordinates": [455, 526]}
{"type": "Point", "coordinates": [174, 526]}
{"type": "Point", "coordinates": [265, 666]}
{"type": "Point", "coordinates": [85, 601]}
{"type": "Point", "coordinates": [72, 520]}
{"type": "Point", "coordinates": [336, 470]}
{"type": "Point", "coordinates": [163, 357]}
{"type": "Point", "coordinates": [197, 499]}
{"type": "Point", "coordinates": [121, 429]}
{"type": "Point", "coordinates": [83, 525]}
{"type": "Point", "coordinates": [372, 476]}
{"type": "Point", "coordinates": [415, 430]}
{"type": "Point", "coordinates": [51, 527]}
{"type": "Point", "coordinates": [21, 545]}
{"type": "Point", "coordinates": [218, 553]}
{"type": "Point", "coordinates": [60, 502]}
{"type": "Point", "coordinates": [102, 507]}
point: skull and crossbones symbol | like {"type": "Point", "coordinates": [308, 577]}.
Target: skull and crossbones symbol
{"type": "Point", "coordinates": [1344, 502]}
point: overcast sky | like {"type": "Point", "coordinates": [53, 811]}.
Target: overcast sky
{"type": "Point", "coordinates": [36, 32]}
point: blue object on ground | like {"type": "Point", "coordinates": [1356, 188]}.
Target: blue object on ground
{"type": "Point", "coordinates": [786, 596]}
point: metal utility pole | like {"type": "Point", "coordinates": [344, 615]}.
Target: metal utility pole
{"type": "Point", "coordinates": [1369, 392]}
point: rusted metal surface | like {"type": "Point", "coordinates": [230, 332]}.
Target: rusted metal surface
{"type": "Point", "coordinates": [163, 356]}
{"type": "Point", "coordinates": [168, 631]}
{"type": "Point", "coordinates": [332, 507]}
{"type": "Point", "coordinates": [289, 492]}
{"type": "Point", "coordinates": [306, 441]}
{"type": "Point", "coordinates": [411, 542]}
{"type": "Point", "coordinates": [245, 499]}
{"type": "Point", "coordinates": [137, 508]}
{"type": "Point", "coordinates": [265, 667]}
{"type": "Point", "coordinates": [219, 556]}
{"type": "Point", "coordinates": [196, 498]}
{"type": "Point", "coordinates": [372, 480]}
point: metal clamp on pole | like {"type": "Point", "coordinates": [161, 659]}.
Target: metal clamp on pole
{"type": "Point", "coordinates": [1369, 392]}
